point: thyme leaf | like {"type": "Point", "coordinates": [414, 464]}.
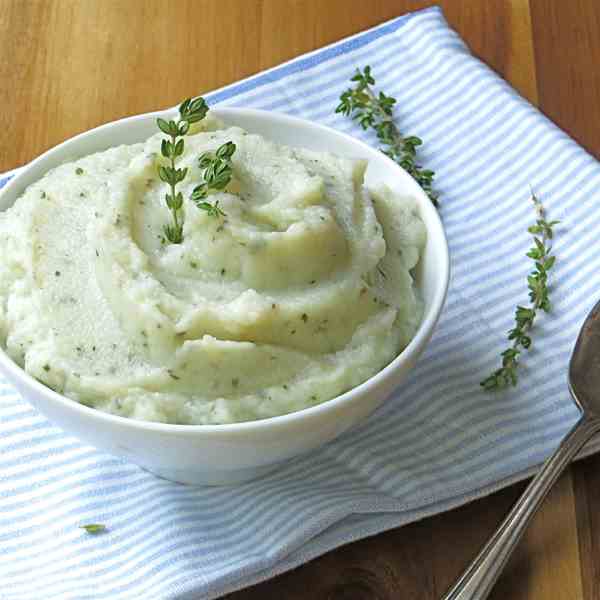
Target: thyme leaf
{"type": "Point", "coordinates": [93, 528]}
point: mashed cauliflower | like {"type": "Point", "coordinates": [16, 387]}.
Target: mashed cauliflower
{"type": "Point", "coordinates": [301, 292]}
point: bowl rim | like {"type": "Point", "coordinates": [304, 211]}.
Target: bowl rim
{"type": "Point", "coordinates": [424, 331]}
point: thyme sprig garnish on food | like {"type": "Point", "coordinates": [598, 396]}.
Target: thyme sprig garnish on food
{"type": "Point", "coordinates": [190, 111]}
{"type": "Point", "coordinates": [539, 296]}
{"type": "Point", "coordinates": [217, 173]}
{"type": "Point", "coordinates": [376, 111]}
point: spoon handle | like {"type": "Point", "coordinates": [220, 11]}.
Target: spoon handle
{"type": "Point", "coordinates": [477, 581]}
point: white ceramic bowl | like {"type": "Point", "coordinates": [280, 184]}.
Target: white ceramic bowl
{"type": "Point", "coordinates": [227, 454]}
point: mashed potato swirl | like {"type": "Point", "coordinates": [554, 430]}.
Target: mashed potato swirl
{"type": "Point", "coordinates": [301, 292]}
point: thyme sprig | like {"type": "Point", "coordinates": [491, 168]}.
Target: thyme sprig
{"type": "Point", "coordinates": [539, 296]}
{"type": "Point", "coordinates": [217, 173]}
{"type": "Point", "coordinates": [190, 111]}
{"type": "Point", "coordinates": [375, 111]}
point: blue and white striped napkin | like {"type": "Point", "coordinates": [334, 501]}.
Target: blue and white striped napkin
{"type": "Point", "coordinates": [439, 442]}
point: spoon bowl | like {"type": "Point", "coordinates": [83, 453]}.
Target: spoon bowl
{"type": "Point", "coordinates": [584, 369]}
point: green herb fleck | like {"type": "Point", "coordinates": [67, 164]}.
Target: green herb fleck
{"type": "Point", "coordinates": [537, 282]}
{"type": "Point", "coordinates": [375, 111]}
{"type": "Point", "coordinates": [79, 171]}
{"type": "Point", "coordinates": [46, 368]}
{"type": "Point", "coordinates": [94, 528]}
{"type": "Point", "coordinates": [304, 317]}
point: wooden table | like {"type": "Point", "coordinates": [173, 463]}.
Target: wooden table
{"type": "Point", "coordinates": [70, 65]}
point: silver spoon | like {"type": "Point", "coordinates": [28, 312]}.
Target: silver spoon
{"type": "Point", "coordinates": [584, 384]}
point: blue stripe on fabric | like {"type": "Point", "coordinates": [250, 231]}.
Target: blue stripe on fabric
{"type": "Point", "coordinates": [5, 180]}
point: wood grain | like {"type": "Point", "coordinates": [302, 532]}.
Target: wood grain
{"type": "Point", "coordinates": [69, 65]}
{"type": "Point", "coordinates": [567, 50]}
